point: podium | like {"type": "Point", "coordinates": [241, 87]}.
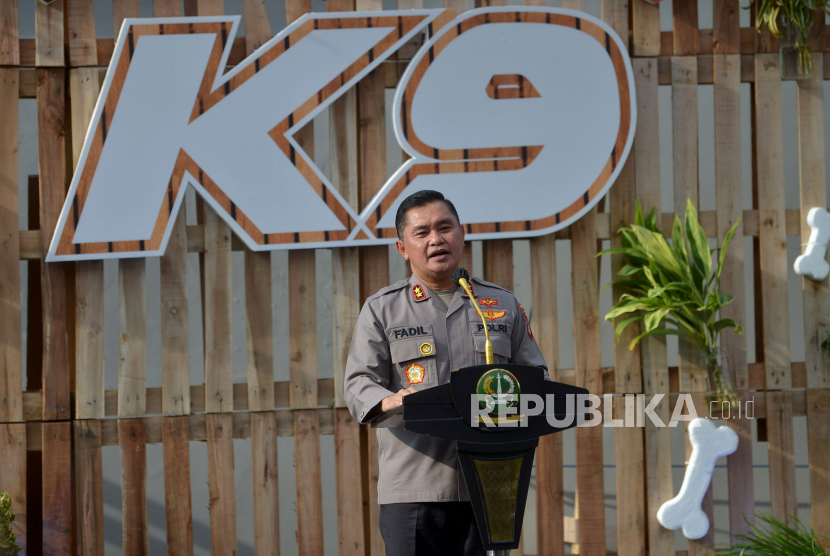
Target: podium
{"type": "Point", "coordinates": [496, 435]}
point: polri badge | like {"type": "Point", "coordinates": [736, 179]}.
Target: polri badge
{"type": "Point", "coordinates": [427, 348]}
{"type": "Point", "coordinates": [415, 373]}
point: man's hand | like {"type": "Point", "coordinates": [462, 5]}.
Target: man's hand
{"type": "Point", "coordinates": [391, 402]}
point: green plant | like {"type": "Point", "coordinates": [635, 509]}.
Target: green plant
{"type": "Point", "coordinates": [8, 547]}
{"type": "Point", "coordinates": [796, 15]}
{"type": "Point", "coordinates": [775, 539]}
{"type": "Point", "coordinates": [676, 284]}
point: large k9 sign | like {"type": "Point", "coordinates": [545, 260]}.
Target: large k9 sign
{"type": "Point", "coordinates": [522, 116]}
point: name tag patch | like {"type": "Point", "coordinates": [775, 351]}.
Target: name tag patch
{"type": "Point", "coordinates": [409, 331]}
{"type": "Point", "coordinates": [493, 327]}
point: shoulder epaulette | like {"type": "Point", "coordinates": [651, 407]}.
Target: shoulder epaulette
{"type": "Point", "coordinates": [388, 289]}
{"type": "Point", "coordinates": [478, 280]}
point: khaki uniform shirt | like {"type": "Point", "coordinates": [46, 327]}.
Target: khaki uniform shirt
{"type": "Point", "coordinates": [406, 336]}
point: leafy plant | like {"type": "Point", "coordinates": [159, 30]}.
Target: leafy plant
{"type": "Point", "coordinates": [798, 15]}
{"type": "Point", "coordinates": [8, 546]}
{"type": "Point", "coordinates": [676, 284]}
{"type": "Point", "coordinates": [775, 539]}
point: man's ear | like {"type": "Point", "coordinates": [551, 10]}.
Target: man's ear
{"type": "Point", "coordinates": [401, 249]}
{"type": "Point", "coordinates": [463, 231]}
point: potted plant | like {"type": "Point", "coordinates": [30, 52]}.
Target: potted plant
{"type": "Point", "coordinates": [8, 546]}
{"type": "Point", "coordinates": [775, 539]}
{"type": "Point", "coordinates": [675, 284]}
{"type": "Point", "coordinates": [790, 21]}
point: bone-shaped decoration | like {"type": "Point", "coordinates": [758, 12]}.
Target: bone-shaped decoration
{"type": "Point", "coordinates": [708, 444]}
{"type": "Point", "coordinates": [812, 264]}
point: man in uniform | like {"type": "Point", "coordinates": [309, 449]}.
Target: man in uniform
{"type": "Point", "coordinates": [410, 336]}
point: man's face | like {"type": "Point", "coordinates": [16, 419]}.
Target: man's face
{"type": "Point", "coordinates": [433, 242]}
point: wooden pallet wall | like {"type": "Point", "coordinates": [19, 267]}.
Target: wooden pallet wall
{"type": "Point", "coordinates": [53, 432]}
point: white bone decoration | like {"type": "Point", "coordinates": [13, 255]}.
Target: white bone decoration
{"type": "Point", "coordinates": [812, 263]}
{"type": "Point", "coordinates": [684, 510]}
{"type": "Point", "coordinates": [523, 145]}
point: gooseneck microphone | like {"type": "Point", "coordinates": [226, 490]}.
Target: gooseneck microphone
{"type": "Point", "coordinates": [460, 277]}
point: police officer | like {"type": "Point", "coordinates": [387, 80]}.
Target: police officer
{"type": "Point", "coordinates": [410, 336]}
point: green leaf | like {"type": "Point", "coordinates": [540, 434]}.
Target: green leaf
{"type": "Point", "coordinates": [698, 243]}
{"type": "Point", "coordinates": [628, 270]}
{"type": "Point", "coordinates": [618, 330]}
{"type": "Point", "coordinates": [653, 318]}
{"type": "Point", "coordinates": [722, 255]}
{"type": "Point", "coordinates": [655, 332]}
{"type": "Point", "coordinates": [723, 324]}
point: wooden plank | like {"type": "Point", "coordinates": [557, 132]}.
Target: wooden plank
{"type": "Point", "coordinates": [217, 315]}
{"type": "Point", "coordinates": [89, 489]}
{"type": "Point", "coordinates": [171, 8]}
{"type": "Point", "coordinates": [220, 479]}
{"type": "Point", "coordinates": [132, 442]}
{"type": "Point", "coordinates": [132, 339]}
{"type": "Point", "coordinates": [49, 33]}
{"type": "Point", "coordinates": [588, 375]}
{"type": "Point", "coordinates": [346, 301]}
{"type": "Point", "coordinates": [80, 27]}
{"type": "Point", "coordinates": [498, 262]}
{"type": "Point", "coordinates": [647, 166]}
{"type": "Point", "coordinates": [175, 433]}
{"type": "Point", "coordinates": [812, 177]}
{"type": "Point", "coordinates": [122, 9]}
{"type": "Point", "coordinates": [645, 28]}
{"type": "Point", "coordinates": [783, 502]}
{"type": "Point", "coordinates": [303, 336]}
{"type": "Point", "coordinates": [550, 510]}
{"type": "Point", "coordinates": [89, 275]}
{"type": "Point", "coordinates": [13, 475]}
{"type": "Point", "coordinates": [631, 492]}
{"type": "Point", "coordinates": [309, 485]}
{"type": "Point", "coordinates": [11, 363]}
{"type": "Point", "coordinates": [259, 327]}
{"type": "Point", "coordinates": [9, 33]}
{"type": "Point", "coordinates": [726, 28]}
{"type": "Point", "coordinates": [705, 544]}
{"type": "Point", "coordinates": [266, 484]}
{"type": "Point", "coordinates": [818, 440]}
{"type": "Point", "coordinates": [175, 355]}
{"type": "Point", "coordinates": [686, 36]}
{"type": "Point", "coordinates": [257, 26]}
{"type": "Point", "coordinates": [57, 488]}
{"type": "Point", "coordinates": [773, 240]}
{"type": "Point", "coordinates": [52, 171]}
{"type": "Point", "coordinates": [350, 524]}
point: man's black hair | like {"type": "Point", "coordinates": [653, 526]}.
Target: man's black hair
{"type": "Point", "coordinates": [420, 199]}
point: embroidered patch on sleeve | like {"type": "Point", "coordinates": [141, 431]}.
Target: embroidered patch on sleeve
{"type": "Point", "coordinates": [527, 320]}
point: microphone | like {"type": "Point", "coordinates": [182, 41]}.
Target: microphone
{"type": "Point", "coordinates": [461, 278]}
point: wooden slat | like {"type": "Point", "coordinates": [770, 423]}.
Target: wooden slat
{"type": "Point", "coordinates": [648, 141]}
{"type": "Point", "coordinates": [686, 36]}
{"type": "Point", "coordinates": [350, 525]}
{"type": "Point", "coordinates": [49, 33]}
{"type": "Point", "coordinates": [773, 238]}
{"type": "Point", "coordinates": [818, 441]}
{"type": "Point", "coordinates": [266, 484]}
{"type": "Point", "coordinates": [132, 339]}
{"type": "Point", "coordinates": [52, 170]}
{"type": "Point", "coordinates": [309, 485]}
{"type": "Point", "coordinates": [705, 544]}
{"type": "Point", "coordinates": [783, 502]}
{"type": "Point", "coordinates": [89, 275]}
{"type": "Point", "coordinates": [645, 28]}
{"type": "Point", "coordinates": [11, 363]}
{"type": "Point", "coordinates": [217, 314]}
{"type": "Point", "coordinates": [9, 33]}
{"type": "Point", "coordinates": [132, 441]}
{"type": "Point", "coordinates": [257, 26]}
{"type": "Point", "coordinates": [57, 488]}
{"type": "Point", "coordinates": [122, 9]}
{"type": "Point", "coordinates": [303, 336]}
{"type": "Point", "coordinates": [80, 27]}
{"type": "Point", "coordinates": [812, 177]}
{"type": "Point", "coordinates": [89, 488]}
{"type": "Point", "coordinates": [498, 262]}
{"type": "Point", "coordinates": [219, 429]}
{"type": "Point", "coordinates": [588, 375]}
{"type": "Point", "coordinates": [631, 491]}
{"type": "Point", "coordinates": [13, 475]}
{"type": "Point", "coordinates": [170, 8]}
{"type": "Point", "coordinates": [550, 509]}
{"type": "Point", "coordinates": [175, 355]}
{"type": "Point", "coordinates": [726, 28]}
{"type": "Point", "coordinates": [175, 433]}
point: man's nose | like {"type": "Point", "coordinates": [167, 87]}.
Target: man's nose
{"type": "Point", "coordinates": [435, 238]}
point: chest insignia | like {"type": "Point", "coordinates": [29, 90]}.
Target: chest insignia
{"type": "Point", "coordinates": [415, 373]}
{"type": "Point", "coordinates": [487, 302]}
{"type": "Point", "coordinates": [418, 292]}
{"type": "Point", "coordinates": [493, 315]}
{"type": "Point", "coordinates": [427, 348]}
